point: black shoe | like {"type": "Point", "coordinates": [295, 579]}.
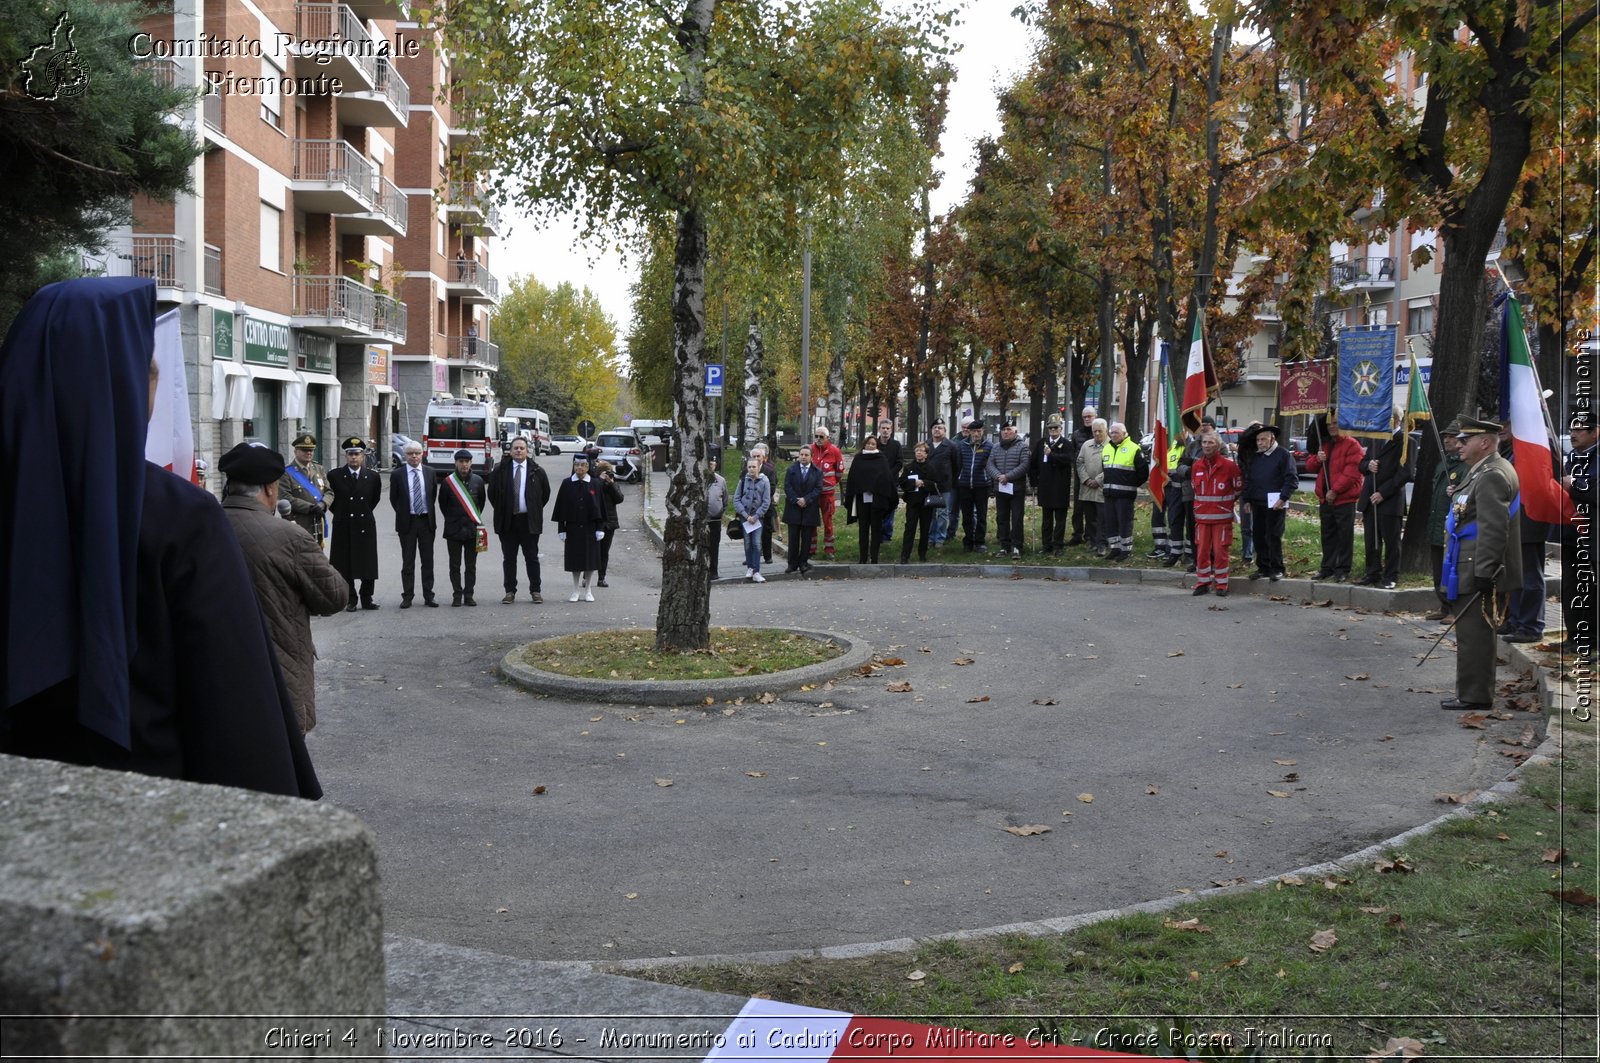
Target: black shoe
{"type": "Point", "coordinates": [1323, 577]}
{"type": "Point", "coordinates": [431, 602]}
{"type": "Point", "coordinates": [405, 603]}
{"type": "Point", "coordinates": [1203, 588]}
{"type": "Point", "coordinates": [1222, 592]}
{"type": "Point", "coordinates": [1457, 705]}
{"type": "Point", "coordinates": [455, 601]}
{"type": "Point", "coordinates": [353, 606]}
{"type": "Point", "coordinates": [1258, 574]}
{"type": "Point", "coordinates": [1524, 637]}
{"type": "Point", "coordinates": [602, 583]}
{"type": "Point", "coordinates": [369, 605]}
{"type": "Point", "coordinates": [1389, 585]}
{"type": "Point", "coordinates": [1076, 540]}
{"type": "Point", "coordinates": [467, 600]}
{"type": "Point", "coordinates": [1275, 577]}
{"type": "Point", "coordinates": [1156, 553]}
{"type": "Point", "coordinates": [1189, 568]}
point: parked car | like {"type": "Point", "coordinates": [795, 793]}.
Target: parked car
{"type": "Point", "coordinates": [567, 444]}
{"type": "Point", "coordinates": [621, 448]}
{"type": "Point", "coordinates": [397, 447]}
{"type": "Point", "coordinates": [1297, 447]}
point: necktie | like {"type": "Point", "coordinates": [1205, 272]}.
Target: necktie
{"type": "Point", "coordinates": [418, 506]}
{"type": "Point", "coordinates": [522, 495]}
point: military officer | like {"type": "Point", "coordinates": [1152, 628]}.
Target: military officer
{"type": "Point", "coordinates": [1483, 555]}
{"type": "Point", "coordinates": [305, 485]}
{"type": "Point", "coordinates": [355, 494]}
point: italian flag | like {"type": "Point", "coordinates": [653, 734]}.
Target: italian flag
{"type": "Point", "coordinates": [1199, 380]}
{"type": "Point", "coordinates": [775, 1032]}
{"type": "Point", "coordinates": [1166, 422]}
{"type": "Point", "coordinates": [1543, 497]}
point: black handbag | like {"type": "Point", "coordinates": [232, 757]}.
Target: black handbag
{"type": "Point", "coordinates": [736, 529]}
{"type": "Point", "coordinates": [934, 501]}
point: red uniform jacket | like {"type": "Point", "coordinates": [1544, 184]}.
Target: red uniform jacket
{"type": "Point", "coordinates": [830, 460]}
{"type": "Point", "coordinates": [1339, 463]}
{"type": "Point", "coordinates": [1217, 483]}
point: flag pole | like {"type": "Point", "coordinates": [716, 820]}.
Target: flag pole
{"type": "Point", "coordinates": [1433, 422]}
{"type": "Point", "coordinates": [1533, 362]}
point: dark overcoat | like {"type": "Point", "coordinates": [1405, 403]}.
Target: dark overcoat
{"type": "Point", "coordinates": [355, 530]}
{"type": "Point", "coordinates": [577, 512]}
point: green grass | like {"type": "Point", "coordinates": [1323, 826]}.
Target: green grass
{"type": "Point", "coordinates": [631, 654]}
{"type": "Point", "coordinates": [1467, 953]}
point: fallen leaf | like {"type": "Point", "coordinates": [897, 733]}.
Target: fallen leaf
{"type": "Point", "coordinates": [1240, 962]}
{"type": "Point", "coordinates": [902, 687]}
{"type": "Point", "coordinates": [1387, 738]}
{"type": "Point", "coordinates": [1174, 653]}
{"type": "Point", "coordinates": [502, 911]}
{"type": "Point", "coordinates": [1503, 836]}
{"type": "Point", "coordinates": [1359, 675]}
{"type": "Point", "coordinates": [892, 662]}
{"type": "Point", "coordinates": [538, 789]}
{"type": "Point", "coordinates": [1235, 686]}
{"type": "Point", "coordinates": [1220, 854]}
{"type": "Point", "coordinates": [916, 976]}
{"type": "Point", "coordinates": [1401, 1048]}
{"type": "Point", "coordinates": [976, 700]}
{"type": "Point", "coordinates": [1194, 926]}
{"type": "Point", "coordinates": [1573, 895]}
{"type": "Point", "coordinates": [1194, 976]}
{"type": "Point", "coordinates": [675, 722]}
{"type": "Point", "coordinates": [1087, 799]}
{"type": "Point", "coordinates": [962, 661]}
{"type": "Point", "coordinates": [1473, 720]}
{"type": "Point", "coordinates": [1375, 911]}
{"type": "Point", "coordinates": [768, 698]}
{"type": "Point", "coordinates": [924, 649]}
{"type": "Point", "coordinates": [1282, 973]}
{"type": "Point", "coordinates": [1044, 701]}
{"type": "Point", "coordinates": [905, 882]}
{"type": "Point", "coordinates": [1292, 776]}
{"type": "Point", "coordinates": [1152, 790]}
{"type": "Point", "coordinates": [1183, 889]}
{"type": "Point", "coordinates": [1323, 940]}
{"type": "Point", "coordinates": [738, 669]}
{"type": "Point", "coordinates": [1015, 968]}
{"type": "Point", "coordinates": [597, 719]}
{"type": "Point", "coordinates": [630, 896]}
{"type": "Point", "coordinates": [1553, 856]}
{"type": "Point", "coordinates": [867, 669]}
{"type": "Point", "coordinates": [1286, 763]}
{"type": "Point", "coordinates": [1398, 866]}
{"type": "Point", "coordinates": [663, 782]}
{"type": "Point", "coordinates": [756, 774]}
{"type": "Point", "coordinates": [1395, 922]}
{"type": "Point", "coordinates": [1456, 799]}
{"type": "Point", "coordinates": [1292, 880]}
{"type": "Point", "coordinates": [1027, 829]}
{"type": "Point", "coordinates": [1279, 793]}
{"type": "Point", "coordinates": [1222, 883]}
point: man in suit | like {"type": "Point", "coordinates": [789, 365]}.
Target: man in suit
{"type": "Point", "coordinates": [412, 491]}
{"type": "Point", "coordinates": [518, 490]}
{"type": "Point", "coordinates": [305, 483]}
{"type": "Point", "coordinates": [356, 492]}
{"type": "Point", "coordinates": [1483, 555]}
{"type": "Point", "coordinates": [461, 500]}
{"type": "Point", "coordinates": [1383, 507]}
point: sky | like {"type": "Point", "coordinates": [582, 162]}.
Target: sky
{"type": "Point", "coordinates": [995, 50]}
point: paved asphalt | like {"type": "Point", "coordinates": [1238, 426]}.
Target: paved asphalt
{"type": "Point", "coordinates": [856, 814]}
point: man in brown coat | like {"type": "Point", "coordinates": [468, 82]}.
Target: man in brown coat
{"type": "Point", "coordinates": [292, 577]}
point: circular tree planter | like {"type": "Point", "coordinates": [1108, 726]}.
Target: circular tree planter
{"type": "Point", "coordinates": [854, 653]}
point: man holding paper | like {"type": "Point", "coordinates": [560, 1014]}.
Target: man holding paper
{"type": "Point", "coordinates": [1008, 470]}
{"type": "Point", "coordinates": [1269, 481]}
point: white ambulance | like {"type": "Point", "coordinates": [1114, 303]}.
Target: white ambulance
{"type": "Point", "coordinates": [460, 424]}
{"type": "Point", "coordinates": [532, 425]}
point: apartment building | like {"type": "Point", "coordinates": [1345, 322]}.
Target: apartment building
{"type": "Point", "coordinates": [313, 246]}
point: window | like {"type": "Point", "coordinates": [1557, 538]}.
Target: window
{"type": "Point", "coordinates": [271, 103]}
{"type": "Point", "coordinates": [271, 238]}
{"type": "Point", "coordinates": [1419, 320]}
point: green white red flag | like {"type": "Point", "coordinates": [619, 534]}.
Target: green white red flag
{"type": "Point", "coordinates": [1200, 380]}
{"type": "Point", "coordinates": [1543, 497]}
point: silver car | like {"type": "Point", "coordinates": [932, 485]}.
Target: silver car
{"type": "Point", "coordinates": [622, 450]}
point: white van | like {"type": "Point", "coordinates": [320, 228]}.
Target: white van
{"type": "Point", "coordinates": [460, 424]}
{"type": "Point", "coordinates": [533, 426]}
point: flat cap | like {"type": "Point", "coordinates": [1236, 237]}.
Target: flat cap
{"type": "Point", "coordinates": [354, 443]}
{"type": "Point", "coordinates": [304, 440]}
{"type": "Point", "coordinates": [1472, 426]}
{"type": "Point", "coordinates": [252, 463]}
{"type": "Point", "coordinates": [464, 453]}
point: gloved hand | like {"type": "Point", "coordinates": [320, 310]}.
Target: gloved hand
{"type": "Point", "coordinates": [1484, 585]}
{"type": "Point", "coordinates": [562, 536]}
{"type": "Point", "coordinates": [599, 535]}
{"type": "Point", "coordinates": [318, 510]}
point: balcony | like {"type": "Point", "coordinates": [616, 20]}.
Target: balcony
{"type": "Point", "coordinates": [213, 270]}
{"type": "Point", "coordinates": [332, 177]}
{"type": "Point", "coordinates": [155, 257]}
{"type": "Point", "coordinates": [396, 9]}
{"type": "Point", "coordinates": [347, 310]}
{"type": "Point", "coordinates": [490, 226]}
{"type": "Point", "coordinates": [387, 104]}
{"type": "Point", "coordinates": [1362, 274]}
{"type": "Point", "coordinates": [388, 216]}
{"type": "Point", "coordinates": [469, 352]}
{"type": "Point", "coordinates": [1268, 313]}
{"type": "Point", "coordinates": [211, 110]}
{"type": "Point", "coordinates": [471, 283]}
{"type": "Point", "coordinates": [163, 70]}
{"type": "Point", "coordinates": [464, 204]}
{"type": "Point", "coordinates": [336, 39]}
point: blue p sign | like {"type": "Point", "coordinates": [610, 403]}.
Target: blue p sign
{"type": "Point", "coordinates": [713, 381]}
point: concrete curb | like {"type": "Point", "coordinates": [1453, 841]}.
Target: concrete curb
{"type": "Point", "coordinates": [686, 691]}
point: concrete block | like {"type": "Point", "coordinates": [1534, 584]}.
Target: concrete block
{"type": "Point", "coordinates": [126, 895]}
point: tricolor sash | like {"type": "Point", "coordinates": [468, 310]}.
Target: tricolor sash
{"type": "Point", "coordinates": [465, 498]}
{"type": "Point", "coordinates": [311, 488]}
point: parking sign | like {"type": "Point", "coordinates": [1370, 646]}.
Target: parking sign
{"type": "Point", "coordinates": [713, 381]}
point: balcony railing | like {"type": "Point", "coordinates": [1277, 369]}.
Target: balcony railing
{"type": "Point", "coordinates": [211, 109]}
{"type": "Point", "coordinates": [1371, 272]}
{"type": "Point", "coordinates": [472, 350]}
{"type": "Point", "coordinates": [474, 275]}
{"type": "Point", "coordinates": [156, 257]}
{"type": "Point", "coordinates": [336, 163]}
{"type": "Point", "coordinates": [334, 30]}
{"type": "Point", "coordinates": [394, 87]}
{"type": "Point", "coordinates": [213, 270]}
{"type": "Point", "coordinates": [392, 203]}
{"type": "Point", "coordinates": [349, 305]}
{"type": "Point", "coordinates": [162, 69]}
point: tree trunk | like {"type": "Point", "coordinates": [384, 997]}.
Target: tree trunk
{"type": "Point", "coordinates": [836, 390]}
{"type": "Point", "coordinates": [753, 351]}
{"type": "Point", "coordinates": [683, 617]}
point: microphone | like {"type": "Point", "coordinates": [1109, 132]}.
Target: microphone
{"type": "Point", "coordinates": [284, 508]}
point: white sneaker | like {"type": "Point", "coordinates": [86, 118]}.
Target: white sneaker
{"type": "Point", "coordinates": [757, 577]}
{"type": "Point", "coordinates": [588, 596]}
{"type": "Point", "coordinates": [748, 571]}
{"type": "Point", "coordinates": [574, 597]}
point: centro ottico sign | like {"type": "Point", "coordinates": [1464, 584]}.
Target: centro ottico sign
{"type": "Point", "coordinates": [277, 47]}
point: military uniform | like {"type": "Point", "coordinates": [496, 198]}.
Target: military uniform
{"type": "Point", "coordinates": [354, 552]}
{"type": "Point", "coordinates": [306, 507]}
{"type": "Point", "coordinates": [1483, 555]}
